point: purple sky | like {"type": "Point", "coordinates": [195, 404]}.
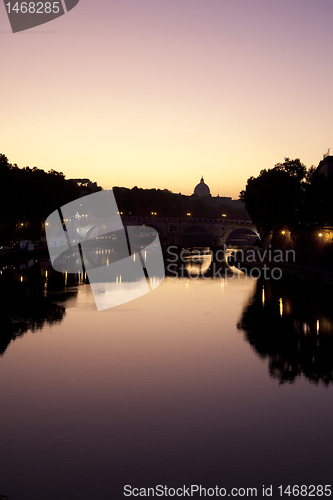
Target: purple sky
{"type": "Point", "coordinates": [157, 93]}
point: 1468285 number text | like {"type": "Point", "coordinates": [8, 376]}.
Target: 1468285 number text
{"type": "Point", "coordinates": [306, 491]}
{"type": "Point", "coordinates": [33, 8]}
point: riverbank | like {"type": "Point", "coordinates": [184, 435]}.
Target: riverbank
{"type": "Point", "coordinates": [12, 256]}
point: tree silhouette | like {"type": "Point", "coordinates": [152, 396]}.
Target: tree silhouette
{"type": "Point", "coordinates": [275, 197]}
{"type": "Point", "coordinates": [29, 195]}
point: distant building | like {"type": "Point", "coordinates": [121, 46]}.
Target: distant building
{"type": "Point", "coordinates": [326, 166]}
{"type": "Point", "coordinates": [201, 189]}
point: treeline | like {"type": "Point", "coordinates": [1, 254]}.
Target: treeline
{"type": "Point", "coordinates": [289, 196]}
{"type": "Point", "coordinates": [29, 195]}
{"type": "Point", "coordinates": [164, 203]}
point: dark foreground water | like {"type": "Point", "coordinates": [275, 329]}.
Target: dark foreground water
{"type": "Point", "coordinates": [211, 382]}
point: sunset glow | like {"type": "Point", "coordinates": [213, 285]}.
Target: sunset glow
{"type": "Point", "coordinates": [159, 93]}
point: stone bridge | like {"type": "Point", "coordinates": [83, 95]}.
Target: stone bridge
{"type": "Point", "coordinates": [170, 229]}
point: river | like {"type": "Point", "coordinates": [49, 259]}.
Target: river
{"type": "Point", "coordinates": [211, 382]}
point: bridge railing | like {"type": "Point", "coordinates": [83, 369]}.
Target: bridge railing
{"type": "Point", "coordinates": [186, 219]}
{"type": "Point", "coordinates": [152, 219]}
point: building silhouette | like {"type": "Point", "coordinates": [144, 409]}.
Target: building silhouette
{"type": "Point", "coordinates": [201, 189]}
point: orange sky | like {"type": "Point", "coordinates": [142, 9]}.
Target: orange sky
{"type": "Point", "coordinates": [156, 93]}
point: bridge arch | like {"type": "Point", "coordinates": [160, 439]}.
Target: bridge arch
{"type": "Point", "coordinates": [196, 235]}
{"type": "Point", "coordinates": [230, 230]}
{"type": "Point", "coordinates": [93, 230]}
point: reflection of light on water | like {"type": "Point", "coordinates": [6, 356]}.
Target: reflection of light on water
{"type": "Point", "coordinates": [222, 285]}
{"type": "Point", "coordinates": [21, 279]}
{"type": "Point", "coordinates": [281, 307]}
{"type": "Point", "coordinates": [187, 284]}
{"type": "Point", "coordinates": [263, 296]}
{"type": "Point", "coordinates": [198, 264]}
{"type": "Point", "coordinates": [45, 284]}
{"type": "Point", "coordinates": [107, 261]}
{"type": "Point", "coordinates": [317, 326]}
{"type": "Point", "coordinates": [305, 328]}
{"type": "Point", "coordinates": [66, 278]}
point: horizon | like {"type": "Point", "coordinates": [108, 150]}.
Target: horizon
{"type": "Point", "coordinates": [156, 94]}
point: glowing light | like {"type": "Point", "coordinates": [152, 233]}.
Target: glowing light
{"type": "Point", "coordinates": [263, 296]}
{"type": "Point", "coordinates": [224, 215]}
{"type": "Point", "coordinates": [21, 279]}
{"type": "Point", "coordinates": [320, 235]}
{"type": "Point", "coordinates": [283, 232]}
{"type": "Point", "coordinates": [188, 215]}
{"type": "Point", "coordinates": [317, 326]}
{"type": "Point", "coordinates": [281, 307]}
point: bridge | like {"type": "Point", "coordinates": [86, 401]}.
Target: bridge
{"type": "Point", "coordinates": [171, 230]}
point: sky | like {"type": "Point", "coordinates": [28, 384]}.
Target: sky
{"type": "Point", "coordinates": [157, 93]}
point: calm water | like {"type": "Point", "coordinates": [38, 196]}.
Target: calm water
{"type": "Point", "coordinates": [211, 382]}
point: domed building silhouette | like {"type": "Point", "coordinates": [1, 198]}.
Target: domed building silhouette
{"type": "Point", "coordinates": [201, 189]}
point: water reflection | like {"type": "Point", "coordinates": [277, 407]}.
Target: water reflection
{"type": "Point", "coordinates": [199, 262]}
{"type": "Point", "coordinates": [290, 322]}
{"type": "Point", "coordinates": [26, 294]}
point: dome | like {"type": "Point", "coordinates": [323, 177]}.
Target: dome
{"type": "Point", "coordinates": [202, 189]}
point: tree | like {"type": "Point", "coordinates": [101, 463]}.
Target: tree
{"type": "Point", "coordinates": [318, 200]}
{"type": "Point", "coordinates": [29, 195]}
{"type": "Point", "coordinates": [275, 197]}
